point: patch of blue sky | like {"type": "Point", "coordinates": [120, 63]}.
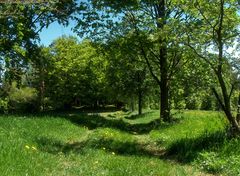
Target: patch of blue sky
{"type": "Point", "coordinates": [54, 31]}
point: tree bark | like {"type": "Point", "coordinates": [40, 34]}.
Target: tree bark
{"type": "Point", "coordinates": [238, 110]}
{"type": "Point", "coordinates": [164, 86]}
{"type": "Point", "coordinates": [42, 91]}
{"type": "Point", "coordinates": [139, 102]}
{"type": "Point", "coordinates": [160, 16]}
{"type": "Point", "coordinates": [132, 104]}
{"type": "Point", "coordinates": [226, 102]}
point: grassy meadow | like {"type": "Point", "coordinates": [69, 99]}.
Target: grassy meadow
{"type": "Point", "coordinates": [117, 143]}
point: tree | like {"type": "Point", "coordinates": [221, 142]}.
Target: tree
{"type": "Point", "coordinates": [77, 74]}
{"type": "Point", "coordinates": [20, 24]}
{"type": "Point", "coordinates": [190, 86]}
{"type": "Point", "coordinates": [213, 29]}
{"type": "Point", "coordinates": [151, 23]}
{"type": "Point", "coordinates": [37, 73]}
{"type": "Point", "coordinates": [126, 72]}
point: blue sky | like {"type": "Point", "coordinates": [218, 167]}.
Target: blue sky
{"type": "Point", "coordinates": [54, 31]}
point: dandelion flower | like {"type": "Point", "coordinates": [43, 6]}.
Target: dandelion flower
{"type": "Point", "coordinates": [27, 147]}
{"type": "Point", "coordinates": [34, 148]}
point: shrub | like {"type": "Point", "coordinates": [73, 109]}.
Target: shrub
{"type": "Point", "coordinates": [4, 105]}
{"type": "Point", "coordinates": [22, 99]}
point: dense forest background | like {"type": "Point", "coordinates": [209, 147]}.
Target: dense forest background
{"type": "Point", "coordinates": [71, 74]}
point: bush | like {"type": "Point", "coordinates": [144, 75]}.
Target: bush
{"type": "Point", "coordinates": [4, 105]}
{"type": "Point", "coordinates": [22, 99]}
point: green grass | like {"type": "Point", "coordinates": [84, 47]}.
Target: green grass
{"type": "Point", "coordinates": [115, 144]}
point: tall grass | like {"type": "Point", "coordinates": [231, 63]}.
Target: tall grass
{"type": "Point", "coordinates": [116, 144]}
{"type": "Point", "coordinates": [56, 146]}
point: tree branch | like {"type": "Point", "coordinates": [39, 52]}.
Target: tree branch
{"type": "Point", "coordinates": [200, 55]}
{"type": "Point", "coordinates": [218, 98]}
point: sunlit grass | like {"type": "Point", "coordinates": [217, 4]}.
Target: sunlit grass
{"type": "Point", "coordinates": [59, 145]}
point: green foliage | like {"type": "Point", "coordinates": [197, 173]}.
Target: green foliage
{"type": "Point", "coordinates": [74, 73]}
{"type": "Point", "coordinates": [127, 78]}
{"type": "Point", "coordinates": [224, 159]}
{"type": "Point", "coordinates": [20, 25]}
{"type": "Point", "coordinates": [22, 99]}
{"type": "Point", "coordinates": [4, 105]}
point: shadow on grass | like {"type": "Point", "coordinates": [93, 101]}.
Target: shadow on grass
{"type": "Point", "coordinates": [96, 121]}
{"type": "Point", "coordinates": [187, 149]}
{"type": "Point", "coordinates": [137, 116]}
{"type": "Point", "coordinates": [182, 151]}
{"type": "Point", "coordinates": [108, 145]}
{"type": "Point", "coordinates": [92, 119]}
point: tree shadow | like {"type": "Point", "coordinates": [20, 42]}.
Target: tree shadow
{"type": "Point", "coordinates": [187, 150]}
{"type": "Point", "coordinates": [127, 148]}
{"type": "Point", "coordinates": [182, 151]}
{"type": "Point", "coordinates": [94, 121]}
{"type": "Point", "coordinates": [137, 116]}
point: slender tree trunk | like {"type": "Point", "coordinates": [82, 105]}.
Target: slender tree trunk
{"type": "Point", "coordinates": [139, 102]}
{"type": "Point", "coordinates": [238, 110]}
{"type": "Point", "coordinates": [140, 80]}
{"type": "Point", "coordinates": [42, 91]}
{"type": "Point", "coordinates": [226, 103]}
{"type": "Point", "coordinates": [132, 104]}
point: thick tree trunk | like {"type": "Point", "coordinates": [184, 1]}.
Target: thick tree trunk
{"type": "Point", "coordinates": [164, 107]}
{"type": "Point", "coordinates": [164, 86]}
{"type": "Point", "coordinates": [159, 8]}
{"type": "Point", "coordinates": [164, 91]}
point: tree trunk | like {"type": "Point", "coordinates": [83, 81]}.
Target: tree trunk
{"type": "Point", "coordinates": [132, 104]}
{"type": "Point", "coordinates": [164, 94]}
{"type": "Point", "coordinates": [164, 87]}
{"type": "Point", "coordinates": [160, 16]}
{"type": "Point", "coordinates": [225, 104]}
{"type": "Point", "coordinates": [238, 110]}
{"type": "Point", "coordinates": [42, 90]}
{"type": "Point", "coordinates": [139, 102]}
{"type": "Point", "coordinates": [234, 124]}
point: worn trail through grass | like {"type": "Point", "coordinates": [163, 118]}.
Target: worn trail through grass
{"type": "Point", "coordinates": [115, 143]}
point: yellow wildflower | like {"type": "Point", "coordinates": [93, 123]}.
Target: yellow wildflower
{"type": "Point", "coordinates": [34, 148]}
{"type": "Point", "coordinates": [27, 147]}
